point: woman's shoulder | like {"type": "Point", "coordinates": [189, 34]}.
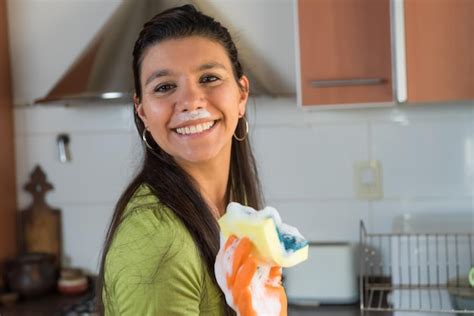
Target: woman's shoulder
{"type": "Point", "coordinates": [148, 234]}
{"type": "Point", "coordinates": [144, 211]}
{"type": "Point", "coordinates": [142, 198]}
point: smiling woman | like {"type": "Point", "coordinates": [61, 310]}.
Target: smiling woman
{"type": "Point", "coordinates": [189, 107]}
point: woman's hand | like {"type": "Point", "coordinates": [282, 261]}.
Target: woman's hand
{"type": "Point", "coordinates": [252, 287]}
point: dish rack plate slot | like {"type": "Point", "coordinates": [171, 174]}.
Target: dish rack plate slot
{"type": "Point", "coordinates": [415, 272]}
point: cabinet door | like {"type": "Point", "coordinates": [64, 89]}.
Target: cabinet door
{"type": "Point", "coordinates": [345, 51]}
{"type": "Point", "coordinates": [7, 164]}
{"type": "Point", "coordinates": [439, 50]}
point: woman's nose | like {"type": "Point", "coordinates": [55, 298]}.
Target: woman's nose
{"type": "Point", "coordinates": [191, 97]}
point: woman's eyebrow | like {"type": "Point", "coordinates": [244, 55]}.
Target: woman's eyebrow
{"type": "Point", "coordinates": [156, 74]}
{"type": "Point", "coordinates": [211, 65]}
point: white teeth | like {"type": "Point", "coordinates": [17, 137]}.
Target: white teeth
{"type": "Point", "coordinates": [188, 130]}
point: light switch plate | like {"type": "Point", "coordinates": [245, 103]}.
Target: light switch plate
{"type": "Point", "coordinates": [368, 179]}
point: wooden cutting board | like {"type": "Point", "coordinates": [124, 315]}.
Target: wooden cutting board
{"type": "Point", "coordinates": [39, 224]}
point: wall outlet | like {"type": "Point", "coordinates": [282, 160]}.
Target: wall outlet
{"type": "Point", "coordinates": [368, 179]}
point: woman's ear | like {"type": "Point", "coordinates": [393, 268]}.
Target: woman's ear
{"type": "Point", "coordinates": [139, 109]}
{"type": "Point", "coordinates": [244, 94]}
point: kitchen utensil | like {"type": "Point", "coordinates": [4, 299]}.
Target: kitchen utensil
{"type": "Point", "coordinates": [72, 281]}
{"type": "Point", "coordinates": [32, 274]}
{"type": "Point", "coordinates": [40, 225]}
{"type": "Point", "coordinates": [8, 299]}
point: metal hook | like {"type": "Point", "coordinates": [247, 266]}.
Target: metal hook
{"type": "Point", "coordinates": [63, 148]}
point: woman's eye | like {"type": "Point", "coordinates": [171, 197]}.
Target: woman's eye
{"type": "Point", "coordinates": [164, 88]}
{"type": "Point", "coordinates": [209, 78]}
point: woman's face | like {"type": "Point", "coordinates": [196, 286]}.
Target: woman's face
{"type": "Point", "coordinates": [191, 102]}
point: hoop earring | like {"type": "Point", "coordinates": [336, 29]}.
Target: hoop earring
{"type": "Point", "coordinates": [241, 139]}
{"type": "Point", "coordinates": [145, 141]}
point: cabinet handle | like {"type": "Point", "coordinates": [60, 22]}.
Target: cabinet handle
{"type": "Point", "coordinates": [347, 82]}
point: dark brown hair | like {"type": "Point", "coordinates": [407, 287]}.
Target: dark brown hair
{"type": "Point", "coordinates": [168, 181]}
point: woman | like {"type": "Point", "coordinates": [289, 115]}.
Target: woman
{"type": "Point", "coordinates": [190, 101]}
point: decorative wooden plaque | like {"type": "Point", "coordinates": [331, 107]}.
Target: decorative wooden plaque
{"type": "Point", "coordinates": [40, 225]}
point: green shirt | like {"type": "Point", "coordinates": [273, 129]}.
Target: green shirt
{"type": "Point", "coordinates": [153, 266]}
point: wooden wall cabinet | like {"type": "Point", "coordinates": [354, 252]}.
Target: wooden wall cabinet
{"type": "Point", "coordinates": [343, 40]}
{"type": "Point", "coordinates": [7, 161]}
{"type": "Point", "coordinates": [439, 50]}
{"type": "Point", "coordinates": [345, 52]}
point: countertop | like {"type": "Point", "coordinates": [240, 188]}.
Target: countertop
{"type": "Point", "coordinates": [332, 310]}
{"type": "Point", "coordinates": [54, 305]}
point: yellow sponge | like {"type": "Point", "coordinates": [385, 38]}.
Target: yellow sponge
{"type": "Point", "coordinates": [276, 243]}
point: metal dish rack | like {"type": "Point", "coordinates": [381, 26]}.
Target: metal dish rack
{"type": "Point", "coordinates": [414, 272]}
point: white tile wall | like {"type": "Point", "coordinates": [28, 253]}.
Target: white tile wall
{"type": "Point", "coordinates": [384, 211]}
{"type": "Point", "coordinates": [305, 160]}
{"type": "Point", "coordinates": [324, 220]}
{"type": "Point", "coordinates": [84, 229]}
{"type": "Point", "coordinates": [430, 157]}
{"type": "Point", "coordinates": [98, 171]}
{"type": "Point", "coordinates": [309, 162]}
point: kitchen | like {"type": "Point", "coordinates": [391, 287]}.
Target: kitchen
{"type": "Point", "coordinates": [404, 156]}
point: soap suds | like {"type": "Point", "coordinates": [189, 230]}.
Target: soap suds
{"type": "Point", "coordinates": [236, 212]}
{"type": "Point", "coordinates": [262, 302]}
{"type": "Point", "coordinates": [223, 267]}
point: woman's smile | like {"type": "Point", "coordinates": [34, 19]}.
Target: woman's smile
{"type": "Point", "coordinates": [196, 129]}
